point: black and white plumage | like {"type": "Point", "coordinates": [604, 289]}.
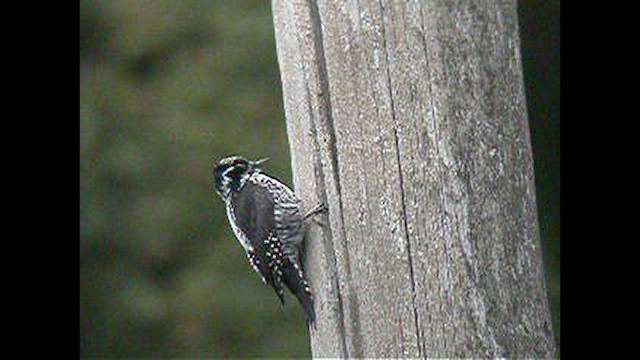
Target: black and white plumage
{"type": "Point", "coordinates": [265, 216]}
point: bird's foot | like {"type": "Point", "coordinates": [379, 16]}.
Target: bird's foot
{"type": "Point", "coordinates": [319, 208]}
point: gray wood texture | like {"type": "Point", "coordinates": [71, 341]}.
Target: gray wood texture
{"type": "Point", "coordinates": [408, 120]}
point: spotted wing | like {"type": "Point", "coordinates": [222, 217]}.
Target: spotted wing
{"type": "Point", "coordinates": [253, 208]}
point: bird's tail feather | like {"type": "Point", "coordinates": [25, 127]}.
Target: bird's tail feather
{"type": "Point", "coordinates": [276, 284]}
{"type": "Point", "coordinates": [295, 281]}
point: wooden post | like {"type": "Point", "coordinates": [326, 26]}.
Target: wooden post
{"type": "Point", "coordinates": [408, 119]}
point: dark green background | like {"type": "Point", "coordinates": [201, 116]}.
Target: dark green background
{"type": "Point", "coordinates": [165, 87]}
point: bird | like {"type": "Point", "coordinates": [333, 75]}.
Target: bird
{"type": "Point", "coordinates": [266, 217]}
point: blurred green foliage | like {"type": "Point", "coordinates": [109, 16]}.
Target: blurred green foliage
{"type": "Point", "coordinates": [165, 86]}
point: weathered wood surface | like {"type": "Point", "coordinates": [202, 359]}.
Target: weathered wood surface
{"type": "Point", "coordinates": [408, 120]}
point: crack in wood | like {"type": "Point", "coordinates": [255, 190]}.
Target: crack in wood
{"type": "Point", "coordinates": [327, 238]}
{"type": "Point", "coordinates": [327, 132]}
{"type": "Point", "coordinates": [403, 203]}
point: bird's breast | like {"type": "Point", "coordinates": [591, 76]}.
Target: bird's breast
{"type": "Point", "coordinates": [240, 235]}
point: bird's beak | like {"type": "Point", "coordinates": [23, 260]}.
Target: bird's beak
{"type": "Point", "coordinates": [258, 162]}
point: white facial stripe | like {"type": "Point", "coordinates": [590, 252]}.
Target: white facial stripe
{"type": "Point", "coordinates": [224, 173]}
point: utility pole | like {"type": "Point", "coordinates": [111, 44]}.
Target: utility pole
{"type": "Point", "coordinates": [408, 119]}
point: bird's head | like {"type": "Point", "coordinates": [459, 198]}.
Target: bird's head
{"type": "Point", "coordinates": [230, 173]}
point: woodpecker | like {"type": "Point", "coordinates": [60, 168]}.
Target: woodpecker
{"type": "Point", "coordinates": [266, 218]}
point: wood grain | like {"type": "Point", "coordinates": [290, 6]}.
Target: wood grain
{"type": "Point", "coordinates": [408, 120]}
